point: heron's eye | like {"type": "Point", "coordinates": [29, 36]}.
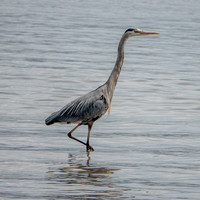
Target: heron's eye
{"type": "Point", "coordinates": [136, 31]}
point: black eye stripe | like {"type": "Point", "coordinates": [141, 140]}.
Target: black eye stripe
{"type": "Point", "coordinates": [130, 29]}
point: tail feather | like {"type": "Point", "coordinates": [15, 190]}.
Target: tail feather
{"type": "Point", "coordinates": [51, 119]}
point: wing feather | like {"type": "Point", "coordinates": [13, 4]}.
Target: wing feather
{"type": "Point", "coordinates": [84, 109]}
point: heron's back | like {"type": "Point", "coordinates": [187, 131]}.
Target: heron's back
{"type": "Point", "coordinates": [87, 108]}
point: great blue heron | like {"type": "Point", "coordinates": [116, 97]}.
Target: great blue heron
{"type": "Point", "coordinates": [87, 109]}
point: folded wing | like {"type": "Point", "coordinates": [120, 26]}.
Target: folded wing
{"type": "Point", "coordinates": [87, 108]}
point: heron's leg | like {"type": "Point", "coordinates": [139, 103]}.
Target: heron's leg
{"type": "Point", "coordinates": [70, 134]}
{"type": "Point", "coordinates": [88, 147]}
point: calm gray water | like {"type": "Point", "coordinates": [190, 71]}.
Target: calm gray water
{"type": "Point", "coordinates": [54, 51]}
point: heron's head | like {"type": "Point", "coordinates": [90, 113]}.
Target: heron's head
{"type": "Point", "coordinates": [137, 32]}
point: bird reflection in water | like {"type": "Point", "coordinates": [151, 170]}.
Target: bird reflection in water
{"type": "Point", "coordinates": [83, 178]}
{"type": "Point", "coordinates": [77, 168]}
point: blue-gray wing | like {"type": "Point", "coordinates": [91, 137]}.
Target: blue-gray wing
{"type": "Point", "coordinates": [82, 110]}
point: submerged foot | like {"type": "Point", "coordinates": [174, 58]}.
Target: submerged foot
{"type": "Point", "coordinates": [89, 148]}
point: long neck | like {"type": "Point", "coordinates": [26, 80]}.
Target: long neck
{"type": "Point", "coordinates": [112, 80]}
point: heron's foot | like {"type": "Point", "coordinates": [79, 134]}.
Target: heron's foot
{"type": "Point", "coordinates": [89, 148]}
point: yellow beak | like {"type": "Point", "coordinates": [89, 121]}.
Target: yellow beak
{"type": "Point", "coordinates": [148, 33]}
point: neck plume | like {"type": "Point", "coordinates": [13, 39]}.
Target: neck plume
{"type": "Point", "coordinates": [112, 80]}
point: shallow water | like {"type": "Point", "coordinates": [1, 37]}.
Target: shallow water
{"type": "Point", "coordinates": [53, 52]}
